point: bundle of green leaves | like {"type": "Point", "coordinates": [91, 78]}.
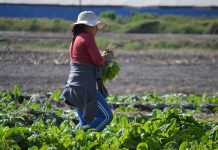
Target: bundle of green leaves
{"type": "Point", "coordinates": [110, 69]}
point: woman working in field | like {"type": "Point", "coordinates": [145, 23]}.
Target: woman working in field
{"type": "Point", "coordinates": [81, 90]}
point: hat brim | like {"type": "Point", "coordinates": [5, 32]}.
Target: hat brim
{"type": "Point", "coordinates": [99, 24]}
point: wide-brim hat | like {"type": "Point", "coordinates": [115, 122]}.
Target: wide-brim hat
{"type": "Point", "coordinates": [88, 18]}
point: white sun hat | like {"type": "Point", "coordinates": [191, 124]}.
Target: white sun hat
{"type": "Point", "coordinates": [88, 18]}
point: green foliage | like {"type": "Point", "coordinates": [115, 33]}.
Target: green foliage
{"type": "Point", "coordinates": [169, 44]}
{"type": "Point", "coordinates": [135, 23]}
{"type": "Point", "coordinates": [125, 45]}
{"type": "Point", "coordinates": [110, 15]}
{"type": "Point", "coordinates": [148, 23]}
{"type": "Point", "coordinates": [179, 24]}
{"type": "Point", "coordinates": [178, 44]}
{"type": "Point", "coordinates": [167, 129]}
{"type": "Point", "coordinates": [17, 91]}
{"type": "Point", "coordinates": [34, 43]}
{"type": "Point", "coordinates": [126, 108]}
{"type": "Point", "coordinates": [136, 16]}
{"type": "Point", "coordinates": [135, 45]}
{"type": "Point", "coordinates": [110, 71]}
{"type": "Point", "coordinates": [213, 28]}
{"type": "Point", "coordinates": [56, 95]}
{"type": "Point", "coordinates": [143, 26]}
{"type": "Point", "coordinates": [43, 43]}
{"type": "Point", "coordinates": [180, 98]}
{"type": "Point", "coordinates": [35, 24]}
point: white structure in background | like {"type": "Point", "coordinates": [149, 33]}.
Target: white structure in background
{"type": "Point", "coordinates": [129, 3]}
{"type": "Point", "coordinates": [69, 9]}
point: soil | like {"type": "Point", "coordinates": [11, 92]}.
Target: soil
{"type": "Point", "coordinates": [158, 71]}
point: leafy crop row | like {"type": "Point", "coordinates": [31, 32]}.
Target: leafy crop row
{"type": "Point", "coordinates": [199, 103]}
{"type": "Point", "coordinates": [37, 123]}
{"type": "Point", "coordinates": [168, 99]}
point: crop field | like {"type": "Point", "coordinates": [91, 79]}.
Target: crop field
{"type": "Point", "coordinates": [41, 122]}
{"type": "Point", "coordinates": [164, 98]}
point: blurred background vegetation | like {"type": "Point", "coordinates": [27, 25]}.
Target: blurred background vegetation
{"type": "Point", "coordinates": [135, 23]}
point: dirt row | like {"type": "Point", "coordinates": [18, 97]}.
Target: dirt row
{"type": "Point", "coordinates": [161, 71]}
{"type": "Point", "coordinates": [44, 71]}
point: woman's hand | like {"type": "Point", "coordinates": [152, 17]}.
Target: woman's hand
{"type": "Point", "coordinates": [108, 53]}
{"type": "Point", "coordinates": [108, 57]}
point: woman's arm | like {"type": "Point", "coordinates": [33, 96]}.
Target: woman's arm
{"type": "Point", "coordinates": [93, 50]}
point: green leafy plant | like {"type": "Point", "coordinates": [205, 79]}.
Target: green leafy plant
{"type": "Point", "coordinates": [111, 68]}
{"type": "Point", "coordinates": [110, 71]}
{"type": "Point", "coordinates": [39, 127]}
{"type": "Point", "coordinates": [56, 95]}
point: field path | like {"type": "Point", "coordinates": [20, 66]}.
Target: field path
{"type": "Point", "coordinates": [160, 71]}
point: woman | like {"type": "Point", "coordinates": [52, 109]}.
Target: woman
{"type": "Point", "coordinates": [81, 91]}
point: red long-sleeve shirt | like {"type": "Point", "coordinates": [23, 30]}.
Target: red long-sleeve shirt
{"type": "Point", "coordinates": [85, 50]}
